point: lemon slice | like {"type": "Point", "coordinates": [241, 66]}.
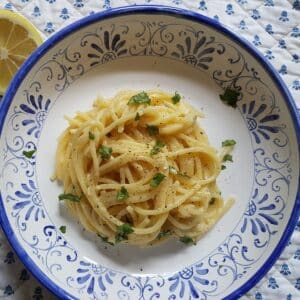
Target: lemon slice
{"type": "Point", "coordinates": [18, 39]}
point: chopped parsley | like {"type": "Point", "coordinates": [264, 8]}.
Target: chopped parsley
{"type": "Point", "coordinates": [29, 154]}
{"type": "Point", "coordinates": [230, 97]}
{"type": "Point", "coordinates": [63, 229]}
{"type": "Point", "coordinates": [140, 98]}
{"type": "Point", "coordinates": [105, 152]}
{"type": "Point", "coordinates": [70, 197]}
{"type": "Point", "coordinates": [212, 201]}
{"type": "Point", "coordinates": [187, 240]}
{"type": "Point", "coordinates": [227, 143]}
{"type": "Point", "coordinates": [91, 136]}
{"type": "Point", "coordinates": [227, 157]}
{"type": "Point", "coordinates": [223, 167]}
{"type": "Point", "coordinates": [122, 194]}
{"type": "Point", "coordinates": [163, 234]}
{"type": "Point", "coordinates": [158, 145]}
{"type": "Point", "coordinates": [176, 98]}
{"type": "Point", "coordinates": [157, 179]}
{"type": "Point", "coordinates": [105, 239]}
{"type": "Point", "coordinates": [137, 116]}
{"type": "Point", "coordinates": [123, 231]}
{"type": "Point", "coordinates": [152, 130]}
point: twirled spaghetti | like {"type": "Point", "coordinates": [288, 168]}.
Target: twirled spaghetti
{"type": "Point", "coordinates": [138, 168]}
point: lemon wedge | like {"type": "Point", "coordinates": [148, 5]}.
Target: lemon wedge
{"type": "Point", "coordinates": [18, 39]}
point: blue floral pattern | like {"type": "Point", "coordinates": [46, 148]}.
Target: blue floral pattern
{"type": "Point", "coordinates": [64, 14]}
{"type": "Point", "coordinates": [36, 11]}
{"type": "Point", "coordinates": [283, 70]}
{"type": "Point", "coordinates": [78, 4]}
{"type": "Point", "coordinates": [229, 9]}
{"type": "Point", "coordinates": [30, 201]}
{"type": "Point", "coordinates": [259, 123]}
{"type": "Point", "coordinates": [202, 5]}
{"type": "Point", "coordinates": [92, 277]}
{"type": "Point", "coordinates": [295, 32]}
{"type": "Point", "coordinates": [8, 290]}
{"type": "Point", "coordinates": [24, 275]}
{"type": "Point", "coordinates": [269, 29]}
{"type": "Point", "coordinates": [284, 16]}
{"type": "Point", "coordinates": [269, 3]}
{"type": "Point", "coordinates": [189, 281]}
{"type": "Point", "coordinates": [285, 270]}
{"type": "Point", "coordinates": [33, 130]}
{"type": "Point", "coordinates": [10, 259]}
{"type": "Point", "coordinates": [49, 27]}
{"type": "Point", "coordinates": [112, 48]}
{"type": "Point", "coordinates": [262, 213]}
{"type": "Point", "coordinates": [256, 40]}
{"type": "Point", "coordinates": [197, 55]}
{"type": "Point", "coordinates": [272, 283]}
{"type": "Point", "coordinates": [296, 85]}
{"type": "Point", "coordinates": [297, 284]}
{"type": "Point", "coordinates": [36, 110]}
{"type": "Point", "coordinates": [297, 254]}
{"type": "Point", "coordinates": [255, 14]}
{"type": "Point", "coordinates": [243, 25]}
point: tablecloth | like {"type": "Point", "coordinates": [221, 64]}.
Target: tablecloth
{"type": "Point", "coordinates": [272, 26]}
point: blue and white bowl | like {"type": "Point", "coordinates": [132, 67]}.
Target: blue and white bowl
{"type": "Point", "coordinates": [151, 48]}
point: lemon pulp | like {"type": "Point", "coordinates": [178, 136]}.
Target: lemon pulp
{"type": "Point", "coordinates": [18, 39]}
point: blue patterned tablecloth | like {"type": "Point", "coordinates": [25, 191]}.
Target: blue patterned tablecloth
{"type": "Point", "coordinates": [273, 26]}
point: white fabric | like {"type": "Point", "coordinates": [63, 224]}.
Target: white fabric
{"type": "Point", "coordinates": [273, 26]}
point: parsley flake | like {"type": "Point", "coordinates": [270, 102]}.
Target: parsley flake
{"type": "Point", "coordinates": [105, 152]}
{"type": "Point", "coordinates": [176, 98]}
{"type": "Point", "coordinates": [29, 154]}
{"type": "Point", "coordinates": [230, 97]}
{"type": "Point", "coordinates": [63, 229]}
{"type": "Point", "coordinates": [157, 179]}
{"type": "Point", "coordinates": [140, 98]}
{"type": "Point", "coordinates": [223, 167]}
{"type": "Point", "coordinates": [158, 145]}
{"type": "Point", "coordinates": [227, 143]}
{"type": "Point", "coordinates": [137, 116]}
{"type": "Point", "coordinates": [122, 194]}
{"type": "Point", "coordinates": [163, 234]}
{"type": "Point", "coordinates": [187, 240]}
{"type": "Point", "coordinates": [91, 136]}
{"type": "Point", "coordinates": [152, 130]}
{"type": "Point", "coordinates": [123, 231]}
{"type": "Point", "coordinates": [70, 197]}
{"type": "Point", "coordinates": [227, 157]}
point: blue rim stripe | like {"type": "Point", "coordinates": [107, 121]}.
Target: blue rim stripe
{"type": "Point", "coordinates": [152, 9]}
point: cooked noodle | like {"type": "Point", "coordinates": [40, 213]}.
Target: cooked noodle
{"type": "Point", "coordinates": [121, 185]}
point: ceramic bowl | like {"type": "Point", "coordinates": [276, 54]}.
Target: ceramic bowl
{"type": "Point", "coordinates": [146, 48]}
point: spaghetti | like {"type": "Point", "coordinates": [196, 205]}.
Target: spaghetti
{"type": "Point", "coordinates": [138, 168]}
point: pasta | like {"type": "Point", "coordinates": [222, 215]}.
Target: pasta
{"type": "Point", "coordinates": [139, 169]}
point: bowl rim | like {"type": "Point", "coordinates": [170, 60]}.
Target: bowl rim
{"type": "Point", "coordinates": [149, 9]}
